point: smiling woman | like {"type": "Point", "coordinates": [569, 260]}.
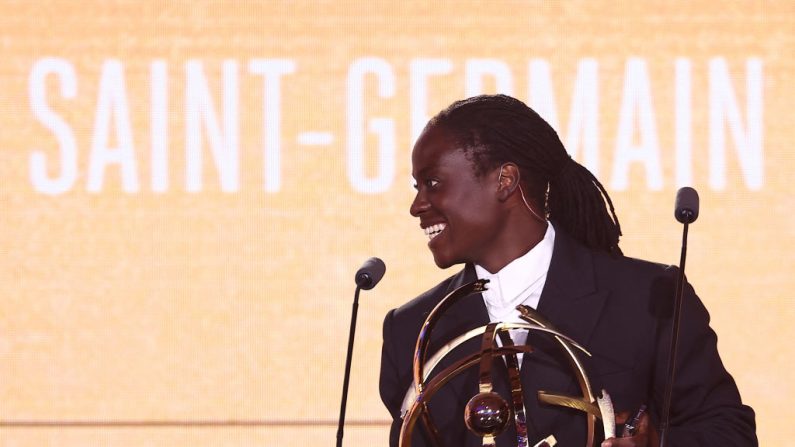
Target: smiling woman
{"type": "Point", "coordinates": [487, 151]}
{"type": "Point", "coordinates": [451, 201]}
{"type": "Point", "coordinates": [497, 191]}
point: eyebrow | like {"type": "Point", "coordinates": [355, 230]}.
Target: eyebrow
{"type": "Point", "coordinates": [423, 171]}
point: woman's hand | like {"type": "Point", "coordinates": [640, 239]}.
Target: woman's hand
{"type": "Point", "coordinates": [645, 436]}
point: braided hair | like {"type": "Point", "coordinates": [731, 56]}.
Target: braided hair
{"type": "Point", "coordinates": [498, 129]}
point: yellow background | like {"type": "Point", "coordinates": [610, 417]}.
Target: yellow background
{"type": "Point", "coordinates": [223, 316]}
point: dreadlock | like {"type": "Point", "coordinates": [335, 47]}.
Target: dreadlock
{"type": "Point", "coordinates": [497, 129]}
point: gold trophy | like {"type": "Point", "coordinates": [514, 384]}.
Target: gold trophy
{"type": "Point", "coordinates": [487, 414]}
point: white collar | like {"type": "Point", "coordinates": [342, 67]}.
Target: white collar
{"type": "Point", "coordinates": [511, 285]}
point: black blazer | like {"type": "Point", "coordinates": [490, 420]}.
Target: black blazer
{"type": "Point", "coordinates": [616, 307]}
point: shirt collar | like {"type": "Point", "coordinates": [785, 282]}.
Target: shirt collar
{"type": "Point", "coordinates": [511, 281]}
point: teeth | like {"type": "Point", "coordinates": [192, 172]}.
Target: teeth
{"type": "Point", "coordinates": [434, 230]}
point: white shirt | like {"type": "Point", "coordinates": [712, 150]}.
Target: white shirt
{"type": "Point", "coordinates": [519, 282]}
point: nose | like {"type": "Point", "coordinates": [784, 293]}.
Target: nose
{"type": "Point", "coordinates": [419, 205]}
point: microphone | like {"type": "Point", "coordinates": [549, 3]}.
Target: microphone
{"type": "Point", "coordinates": [366, 278]}
{"type": "Point", "coordinates": [686, 212]}
{"type": "Point", "coordinates": [686, 206]}
{"type": "Point", "coordinates": [370, 273]}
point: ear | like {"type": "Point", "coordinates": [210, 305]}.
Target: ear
{"type": "Point", "coordinates": [508, 181]}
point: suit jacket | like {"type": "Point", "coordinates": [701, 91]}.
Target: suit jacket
{"type": "Point", "coordinates": [620, 310]}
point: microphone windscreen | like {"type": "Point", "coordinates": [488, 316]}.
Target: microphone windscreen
{"type": "Point", "coordinates": [370, 273]}
{"type": "Point", "coordinates": [686, 209]}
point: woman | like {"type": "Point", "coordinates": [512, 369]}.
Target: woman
{"type": "Point", "coordinates": [497, 192]}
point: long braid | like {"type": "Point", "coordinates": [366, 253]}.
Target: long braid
{"type": "Point", "coordinates": [578, 202]}
{"type": "Point", "coordinates": [496, 129]}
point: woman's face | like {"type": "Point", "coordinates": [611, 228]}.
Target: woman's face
{"type": "Point", "coordinates": [458, 210]}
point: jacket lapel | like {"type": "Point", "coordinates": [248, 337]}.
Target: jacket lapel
{"type": "Point", "coordinates": [469, 313]}
{"type": "Point", "coordinates": [570, 298]}
{"type": "Point", "coordinates": [571, 301]}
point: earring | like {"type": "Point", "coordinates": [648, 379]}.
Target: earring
{"type": "Point", "coordinates": [526, 203]}
{"type": "Point", "coordinates": [540, 219]}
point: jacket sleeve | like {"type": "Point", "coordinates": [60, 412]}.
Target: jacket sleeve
{"type": "Point", "coordinates": [706, 408]}
{"type": "Point", "coordinates": [389, 381]}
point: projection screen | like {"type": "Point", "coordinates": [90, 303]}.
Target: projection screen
{"type": "Point", "coordinates": [187, 189]}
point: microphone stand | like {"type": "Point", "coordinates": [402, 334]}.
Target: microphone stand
{"type": "Point", "coordinates": [366, 278]}
{"type": "Point", "coordinates": [345, 382]}
{"type": "Point", "coordinates": [680, 284]}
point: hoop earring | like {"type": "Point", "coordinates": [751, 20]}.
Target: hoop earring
{"type": "Point", "coordinates": [540, 219]}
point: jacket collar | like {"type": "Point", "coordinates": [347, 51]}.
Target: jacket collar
{"type": "Point", "coordinates": [570, 298]}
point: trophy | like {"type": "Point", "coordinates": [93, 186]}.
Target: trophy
{"type": "Point", "coordinates": [487, 414]}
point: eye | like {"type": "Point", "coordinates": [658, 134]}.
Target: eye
{"type": "Point", "coordinates": [431, 183]}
